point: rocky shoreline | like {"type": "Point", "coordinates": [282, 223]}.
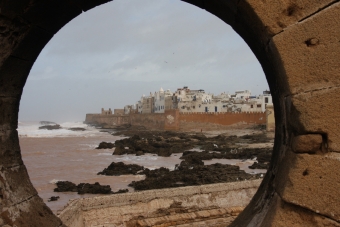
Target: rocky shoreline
{"type": "Point", "coordinates": [194, 148]}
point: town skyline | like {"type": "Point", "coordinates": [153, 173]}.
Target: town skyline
{"type": "Point", "coordinates": [114, 52]}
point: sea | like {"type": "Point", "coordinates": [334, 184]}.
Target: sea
{"type": "Point", "coordinates": [64, 155]}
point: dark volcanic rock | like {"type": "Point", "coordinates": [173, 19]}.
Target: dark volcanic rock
{"type": "Point", "coordinates": [82, 188]}
{"type": "Point", "coordinates": [105, 145]}
{"type": "Point", "coordinates": [50, 127]}
{"type": "Point", "coordinates": [53, 198]}
{"type": "Point", "coordinates": [119, 168]}
{"type": "Point", "coordinates": [95, 188]}
{"type": "Point", "coordinates": [65, 186]}
{"type": "Point", "coordinates": [77, 129]}
{"type": "Point", "coordinates": [187, 175]}
{"type": "Point", "coordinates": [47, 123]}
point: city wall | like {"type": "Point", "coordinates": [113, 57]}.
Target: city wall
{"type": "Point", "coordinates": [203, 205]}
{"type": "Point", "coordinates": [173, 120]}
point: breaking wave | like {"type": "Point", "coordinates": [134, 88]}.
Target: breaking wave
{"type": "Point", "coordinates": [31, 129]}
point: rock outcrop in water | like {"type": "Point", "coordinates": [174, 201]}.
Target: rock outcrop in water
{"type": "Point", "coordinates": [191, 174]}
{"type": "Point", "coordinates": [50, 127]}
{"type": "Point", "coordinates": [77, 129]}
{"type": "Point", "coordinates": [119, 168]}
{"type": "Point", "coordinates": [82, 188]}
{"type": "Point", "coordinates": [166, 143]}
{"type": "Point", "coordinates": [105, 145]}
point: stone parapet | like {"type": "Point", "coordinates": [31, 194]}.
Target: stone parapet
{"type": "Point", "coordinates": [172, 205]}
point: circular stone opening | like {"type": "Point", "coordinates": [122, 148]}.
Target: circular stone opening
{"type": "Point", "coordinates": [297, 46]}
{"type": "Point", "coordinates": [60, 66]}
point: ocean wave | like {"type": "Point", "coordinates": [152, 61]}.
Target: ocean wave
{"type": "Point", "coordinates": [31, 129]}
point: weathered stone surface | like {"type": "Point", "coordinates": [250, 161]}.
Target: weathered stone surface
{"type": "Point", "coordinates": [177, 206]}
{"type": "Point", "coordinates": [307, 143]}
{"type": "Point", "coordinates": [316, 112]}
{"type": "Point", "coordinates": [309, 51]}
{"type": "Point", "coordinates": [312, 182]}
{"type": "Point", "coordinates": [285, 214]}
{"type": "Point", "coordinates": [16, 186]}
{"type": "Point", "coordinates": [32, 209]}
{"type": "Point", "coordinates": [301, 63]}
{"type": "Point", "coordinates": [287, 12]}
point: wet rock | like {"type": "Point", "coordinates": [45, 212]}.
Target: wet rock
{"type": "Point", "coordinates": [105, 145]}
{"type": "Point", "coordinates": [77, 129]}
{"type": "Point", "coordinates": [53, 198]}
{"type": "Point", "coordinates": [119, 168]}
{"type": "Point", "coordinates": [188, 175]}
{"type": "Point", "coordinates": [50, 127]}
{"type": "Point", "coordinates": [95, 188]}
{"type": "Point", "coordinates": [65, 186]}
{"type": "Point", "coordinates": [82, 188]}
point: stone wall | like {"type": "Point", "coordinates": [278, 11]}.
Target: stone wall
{"type": "Point", "coordinates": [206, 205]}
{"type": "Point", "coordinates": [270, 118]}
{"type": "Point", "coordinates": [107, 120]}
{"type": "Point", "coordinates": [173, 120]}
{"type": "Point", "coordinates": [150, 121]}
{"type": "Point", "coordinates": [218, 121]}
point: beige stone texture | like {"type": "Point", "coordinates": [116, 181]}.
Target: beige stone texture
{"type": "Point", "coordinates": [277, 15]}
{"type": "Point", "coordinates": [317, 112]}
{"type": "Point", "coordinates": [310, 66]}
{"type": "Point", "coordinates": [174, 205]}
{"type": "Point", "coordinates": [297, 44]}
{"type": "Point", "coordinates": [311, 143]}
{"type": "Point", "coordinates": [284, 214]}
{"type": "Point", "coordinates": [312, 182]}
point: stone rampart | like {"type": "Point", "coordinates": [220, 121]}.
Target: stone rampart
{"type": "Point", "coordinates": [107, 120]}
{"type": "Point", "coordinates": [173, 206]}
{"type": "Point", "coordinates": [218, 121]}
{"type": "Point", "coordinates": [173, 120]}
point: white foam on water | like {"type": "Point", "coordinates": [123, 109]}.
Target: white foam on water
{"type": "Point", "coordinates": [54, 181]}
{"type": "Point", "coordinates": [134, 158]}
{"type": "Point", "coordinates": [31, 129]}
{"type": "Point", "coordinates": [105, 154]}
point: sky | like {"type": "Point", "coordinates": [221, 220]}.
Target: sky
{"type": "Point", "coordinates": [108, 57]}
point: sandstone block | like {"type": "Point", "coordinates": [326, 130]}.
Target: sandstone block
{"type": "Point", "coordinates": [310, 50]}
{"type": "Point", "coordinates": [316, 112]}
{"type": "Point", "coordinates": [284, 214]}
{"type": "Point", "coordinates": [307, 143]}
{"type": "Point", "coordinates": [311, 182]}
{"type": "Point", "coordinates": [287, 12]}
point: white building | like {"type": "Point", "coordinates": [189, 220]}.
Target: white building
{"type": "Point", "coordinates": [162, 101]}
{"type": "Point", "coordinates": [187, 100]}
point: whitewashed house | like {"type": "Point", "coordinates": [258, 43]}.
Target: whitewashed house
{"type": "Point", "coordinates": [162, 101]}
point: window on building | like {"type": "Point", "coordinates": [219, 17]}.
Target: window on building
{"type": "Point", "coordinates": [258, 105]}
{"type": "Point", "coordinates": [266, 100]}
{"type": "Point", "coordinates": [251, 106]}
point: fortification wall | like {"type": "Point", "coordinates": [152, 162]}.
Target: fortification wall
{"type": "Point", "coordinates": [150, 121]}
{"type": "Point", "coordinates": [197, 205]}
{"type": "Point", "coordinates": [107, 120]}
{"type": "Point", "coordinates": [173, 120]}
{"type": "Point", "coordinates": [218, 121]}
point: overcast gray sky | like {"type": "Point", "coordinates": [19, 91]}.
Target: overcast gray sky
{"type": "Point", "coordinates": [113, 54]}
